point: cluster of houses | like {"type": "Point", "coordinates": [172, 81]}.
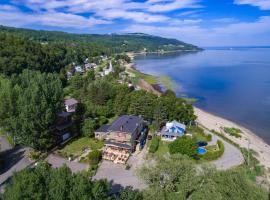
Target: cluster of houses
{"type": "Point", "coordinates": [81, 69]}
{"type": "Point", "coordinates": [121, 138]}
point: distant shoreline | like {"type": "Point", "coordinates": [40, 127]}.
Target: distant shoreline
{"type": "Point", "coordinates": [249, 139]}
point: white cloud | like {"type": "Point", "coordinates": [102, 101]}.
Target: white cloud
{"type": "Point", "coordinates": [143, 12]}
{"type": "Point", "coordinates": [225, 20]}
{"type": "Point", "coordinates": [55, 19]}
{"type": "Point", "coordinates": [165, 6]}
{"type": "Point", "coordinates": [241, 33]}
{"type": "Point", "coordinates": [178, 22]}
{"type": "Point", "coordinates": [262, 4]}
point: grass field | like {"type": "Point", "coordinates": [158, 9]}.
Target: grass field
{"type": "Point", "coordinates": [148, 78]}
{"type": "Point", "coordinates": [76, 147]}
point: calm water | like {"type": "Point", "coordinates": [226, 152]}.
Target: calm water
{"type": "Point", "coordinates": [234, 84]}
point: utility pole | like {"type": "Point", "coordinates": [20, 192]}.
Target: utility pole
{"type": "Point", "coordinates": [248, 152]}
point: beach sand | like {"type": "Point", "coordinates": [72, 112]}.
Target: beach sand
{"type": "Point", "coordinates": [248, 140]}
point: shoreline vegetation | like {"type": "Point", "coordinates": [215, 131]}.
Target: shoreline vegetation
{"type": "Point", "coordinates": [248, 139]}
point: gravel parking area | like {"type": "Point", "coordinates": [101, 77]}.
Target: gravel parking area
{"type": "Point", "coordinates": [118, 176]}
{"type": "Point", "coordinates": [58, 161]}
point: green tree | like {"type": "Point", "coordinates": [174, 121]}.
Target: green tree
{"type": "Point", "coordinates": [129, 194]}
{"type": "Point", "coordinates": [184, 145]}
{"type": "Point", "coordinates": [94, 157]}
{"type": "Point", "coordinates": [88, 128]}
{"type": "Point", "coordinates": [29, 107]}
{"type": "Point", "coordinates": [43, 182]}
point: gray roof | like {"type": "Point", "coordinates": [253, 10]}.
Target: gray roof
{"type": "Point", "coordinates": [69, 102]}
{"type": "Point", "coordinates": [121, 145]}
{"type": "Point", "coordinates": [103, 128]}
{"type": "Point", "coordinates": [126, 123]}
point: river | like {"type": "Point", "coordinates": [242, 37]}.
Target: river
{"type": "Point", "coordinates": [233, 83]}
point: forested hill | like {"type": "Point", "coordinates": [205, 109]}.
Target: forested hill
{"type": "Point", "coordinates": [116, 43]}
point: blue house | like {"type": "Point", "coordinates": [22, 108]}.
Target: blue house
{"type": "Point", "coordinates": [172, 130]}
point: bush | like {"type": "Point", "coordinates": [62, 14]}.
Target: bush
{"type": "Point", "coordinates": [154, 144]}
{"type": "Point", "coordinates": [94, 157]}
{"type": "Point", "coordinates": [184, 145]}
{"type": "Point", "coordinates": [34, 155]}
{"type": "Point", "coordinates": [88, 128]}
{"type": "Point", "coordinates": [127, 167]}
{"type": "Point", "coordinates": [214, 154]}
{"type": "Point", "coordinates": [209, 137]}
{"type": "Point", "coordinates": [233, 132]}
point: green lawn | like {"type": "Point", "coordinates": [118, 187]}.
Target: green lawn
{"type": "Point", "coordinates": [198, 134]}
{"type": "Point", "coordinates": [162, 148]}
{"type": "Point", "coordinates": [148, 78]}
{"type": "Point", "coordinates": [76, 147]}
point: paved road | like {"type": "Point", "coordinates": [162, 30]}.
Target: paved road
{"type": "Point", "coordinates": [57, 161]}
{"type": "Point", "coordinates": [232, 156]}
{"type": "Point", "coordinates": [15, 160]}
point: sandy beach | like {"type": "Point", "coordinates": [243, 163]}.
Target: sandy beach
{"type": "Point", "coordinates": [248, 140]}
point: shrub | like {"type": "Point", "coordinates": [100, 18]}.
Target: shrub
{"type": "Point", "coordinates": [34, 155]}
{"type": "Point", "coordinates": [209, 137]}
{"type": "Point", "coordinates": [88, 128]}
{"type": "Point", "coordinates": [233, 132]}
{"type": "Point", "coordinates": [127, 167]}
{"type": "Point", "coordinates": [214, 154]}
{"type": "Point", "coordinates": [94, 157]}
{"type": "Point", "coordinates": [154, 144]}
{"type": "Point", "coordinates": [184, 145]}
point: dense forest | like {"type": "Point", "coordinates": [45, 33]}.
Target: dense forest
{"type": "Point", "coordinates": [18, 53]}
{"type": "Point", "coordinates": [115, 43]}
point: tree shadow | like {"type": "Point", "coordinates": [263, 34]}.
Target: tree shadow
{"type": "Point", "coordinates": [11, 157]}
{"type": "Point", "coordinates": [117, 188]}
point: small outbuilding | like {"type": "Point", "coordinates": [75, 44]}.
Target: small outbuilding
{"type": "Point", "coordinates": [71, 105]}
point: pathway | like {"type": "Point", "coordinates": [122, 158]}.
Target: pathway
{"type": "Point", "coordinates": [232, 156]}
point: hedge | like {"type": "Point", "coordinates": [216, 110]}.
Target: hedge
{"type": "Point", "coordinates": [213, 155]}
{"type": "Point", "coordinates": [154, 144]}
{"type": "Point", "coordinates": [94, 157]}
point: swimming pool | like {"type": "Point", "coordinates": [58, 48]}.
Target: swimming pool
{"type": "Point", "coordinates": [201, 151]}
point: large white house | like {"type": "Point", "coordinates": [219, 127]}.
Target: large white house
{"type": "Point", "coordinates": [172, 130]}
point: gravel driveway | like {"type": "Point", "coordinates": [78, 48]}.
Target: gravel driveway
{"type": "Point", "coordinates": [118, 176]}
{"type": "Point", "coordinates": [232, 156]}
{"type": "Point", "coordinates": [58, 161]}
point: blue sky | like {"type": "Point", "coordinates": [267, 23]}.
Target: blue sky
{"type": "Point", "coordinates": [200, 22]}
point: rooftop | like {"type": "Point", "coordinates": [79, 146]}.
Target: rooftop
{"type": "Point", "coordinates": [103, 128]}
{"type": "Point", "coordinates": [126, 123]}
{"type": "Point", "coordinates": [69, 102]}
